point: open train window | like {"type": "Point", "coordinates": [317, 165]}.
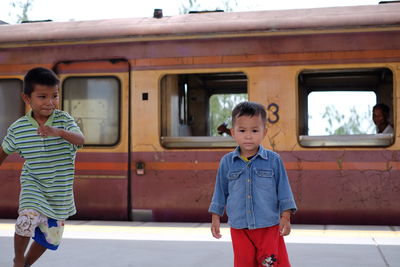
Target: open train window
{"type": "Point", "coordinates": [194, 105]}
{"type": "Point", "coordinates": [11, 104]}
{"type": "Point", "coordinates": [335, 106]}
{"type": "Point", "coordinates": [94, 103]}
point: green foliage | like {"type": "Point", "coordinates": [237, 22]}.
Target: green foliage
{"type": "Point", "coordinates": [221, 106]}
{"type": "Point", "coordinates": [24, 7]}
{"type": "Point", "coordinates": [228, 6]}
{"type": "Point", "coordinates": [340, 125]}
{"type": "Point", "coordinates": [194, 5]}
{"type": "Point", "coordinates": [191, 5]}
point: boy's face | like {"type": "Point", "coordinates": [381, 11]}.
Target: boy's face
{"type": "Point", "coordinates": [248, 132]}
{"type": "Point", "coordinates": [43, 100]}
{"type": "Point", "coordinates": [378, 117]}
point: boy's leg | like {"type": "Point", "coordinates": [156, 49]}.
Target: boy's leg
{"type": "Point", "coordinates": [47, 236]}
{"type": "Point", "coordinates": [271, 248]}
{"type": "Point", "coordinates": [24, 229]}
{"type": "Point", "coordinates": [35, 251]}
{"type": "Point", "coordinates": [20, 244]}
{"type": "Point", "coordinates": [244, 250]}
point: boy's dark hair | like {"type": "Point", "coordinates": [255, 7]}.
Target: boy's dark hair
{"type": "Point", "coordinates": [384, 108]}
{"type": "Point", "coordinates": [248, 108]}
{"type": "Point", "coordinates": [40, 76]}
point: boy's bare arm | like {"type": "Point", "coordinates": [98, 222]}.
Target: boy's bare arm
{"type": "Point", "coordinates": [72, 137]}
{"type": "Point", "coordinates": [215, 225]}
{"type": "Point", "coordinates": [3, 155]}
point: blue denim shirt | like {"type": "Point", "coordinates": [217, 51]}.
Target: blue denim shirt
{"type": "Point", "coordinates": [255, 192]}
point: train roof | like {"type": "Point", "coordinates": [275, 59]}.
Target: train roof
{"type": "Point", "coordinates": [205, 25]}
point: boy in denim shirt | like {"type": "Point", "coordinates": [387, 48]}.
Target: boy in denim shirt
{"type": "Point", "coordinates": [253, 186]}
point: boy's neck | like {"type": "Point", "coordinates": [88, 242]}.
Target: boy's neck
{"type": "Point", "coordinates": [248, 154]}
{"type": "Point", "coordinates": [41, 120]}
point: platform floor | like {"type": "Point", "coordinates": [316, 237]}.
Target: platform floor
{"type": "Point", "coordinates": [123, 244]}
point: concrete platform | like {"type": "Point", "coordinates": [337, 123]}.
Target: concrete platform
{"type": "Point", "coordinates": [120, 244]}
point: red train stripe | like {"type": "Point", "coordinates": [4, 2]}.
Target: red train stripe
{"type": "Point", "coordinates": [383, 166]}
{"type": "Point", "coordinates": [79, 166]}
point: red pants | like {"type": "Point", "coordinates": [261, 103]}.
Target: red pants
{"type": "Point", "coordinates": [263, 247]}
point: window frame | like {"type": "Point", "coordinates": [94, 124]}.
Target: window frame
{"type": "Point", "coordinates": [23, 111]}
{"type": "Point", "coordinates": [178, 142]}
{"type": "Point", "coordinates": [118, 139]}
{"type": "Point", "coordinates": [356, 140]}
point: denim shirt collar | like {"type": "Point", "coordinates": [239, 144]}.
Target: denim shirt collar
{"type": "Point", "coordinates": [262, 152]}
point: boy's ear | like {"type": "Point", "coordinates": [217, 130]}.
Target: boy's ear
{"type": "Point", "coordinates": [231, 131]}
{"type": "Point", "coordinates": [265, 131]}
{"type": "Point", "coordinates": [26, 98]}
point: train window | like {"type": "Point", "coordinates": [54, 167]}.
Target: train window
{"type": "Point", "coordinates": [94, 103]}
{"type": "Point", "coordinates": [335, 106]}
{"type": "Point", "coordinates": [351, 113]}
{"type": "Point", "coordinates": [194, 105]}
{"type": "Point", "coordinates": [11, 105]}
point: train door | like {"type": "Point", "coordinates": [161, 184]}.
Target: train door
{"type": "Point", "coordinates": [178, 122]}
{"type": "Point", "coordinates": [11, 108]}
{"type": "Point", "coordinates": [96, 94]}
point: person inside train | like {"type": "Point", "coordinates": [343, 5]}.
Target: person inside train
{"type": "Point", "coordinates": [47, 138]}
{"type": "Point", "coordinates": [253, 188]}
{"type": "Point", "coordinates": [223, 128]}
{"type": "Point", "coordinates": [380, 116]}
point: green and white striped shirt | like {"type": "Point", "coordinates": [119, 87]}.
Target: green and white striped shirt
{"type": "Point", "coordinates": [48, 173]}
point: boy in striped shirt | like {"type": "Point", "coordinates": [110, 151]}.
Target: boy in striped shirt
{"type": "Point", "coordinates": [47, 138]}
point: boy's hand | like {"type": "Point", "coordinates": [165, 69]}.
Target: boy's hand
{"type": "Point", "coordinates": [45, 131]}
{"type": "Point", "coordinates": [73, 138]}
{"type": "Point", "coordinates": [284, 224]}
{"type": "Point", "coordinates": [215, 226]}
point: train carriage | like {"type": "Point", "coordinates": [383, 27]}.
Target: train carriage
{"type": "Point", "coordinates": [143, 90]}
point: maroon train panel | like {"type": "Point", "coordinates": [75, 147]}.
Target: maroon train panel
{"type": "Point", "coordinates": [333, 195]}
{"type": "Point", "coordinates": [343, 196]}
{"type": "Point", "coordinates": [269, 50]}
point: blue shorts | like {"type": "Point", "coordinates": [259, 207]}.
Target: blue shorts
{"type": "Point", "coordinates": [45, 231]}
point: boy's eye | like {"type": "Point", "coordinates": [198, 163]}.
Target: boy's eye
{"type": "Point", "coordinates": [255, 131]}
{"type": "Point", "coordinates": [242, 131]}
